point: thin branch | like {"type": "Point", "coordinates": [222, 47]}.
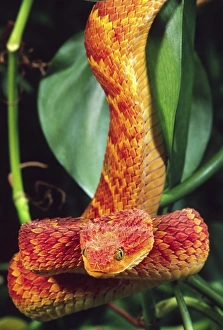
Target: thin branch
{"type": "Point", "coordinates": [126, 316]}
{"type": "Point", "coordinates": [185, 315]}
{"type": "Point", "coordinates": [210, 168]}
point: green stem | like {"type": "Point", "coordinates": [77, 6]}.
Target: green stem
{"type": "Point", "coordinates": [149, 314]}
{"type": "Point", "coordinates": [20, 200]}
{"type": "Point", "coordinates": [20, 23]}
{"type": "Point", "coordinates": [168, 305]}
{"type": "Point", "coordinates": [197, 179]}
{"type": "Point", "coordinates": [204, 288]}
{"type": "Point", "coordinates": [183, 308]}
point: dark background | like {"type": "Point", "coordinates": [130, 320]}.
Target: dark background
{"type": "Point", "coordinates": [51, 23]}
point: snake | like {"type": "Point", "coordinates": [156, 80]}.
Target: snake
{"type": "Point", "coordinates": [119, 246]}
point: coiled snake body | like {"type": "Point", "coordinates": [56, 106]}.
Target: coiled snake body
{"type": "Point", "coordinates": [116, 242]}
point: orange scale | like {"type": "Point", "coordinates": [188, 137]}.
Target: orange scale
{"type": "Point", "coordinates": [191, 251]}
{"type": "Point", "coordinates": [197, 244]}
{"type": "Point", "coordinates": [174, 223]}
{"type": "Point", "coordinates": [183, 257]}
{"type": "Point", "coordinates": [173, 258]}
{"type": "Point", "coordinates": [27, 285]}
{"type": "Point", "coordinates": [198, 229]}
{"type": "Point", "coordinates": [45, 300]}
{"type": "Point", "coordinates": [41, 253]}
{"type": "Point", "coordinates": [16, 288]}
{"type": "Point", "coordinates": [168, 239]}
{"type": "Point", "coordinates": [20, 279]}
{"type": "Point", "coordinates": [20, 291]}
{"type": "Point", "coordinates": [38, 280]}
{"type": "Point", "coordinates": [163, 246]}
{"type": "Point", "coordinates": [33, 242]}
{"type": "Point", "coordinates": [193, 237]}
{"type": "Point", "coordinates": [203, 236]}
{"type": "Point", "coordinates": [37, 230]}
{"type": "Point", "coordinates": [159, 259]}
{"type": "Point", "coordinates": [26, 295]}
{"type": "Point", "coordinates": [43, 236]}
{"type": "Point", "coordinates": [157, 241]}
{"type": "Point", "coordinates": [187, 243]}
{"type": "Point", "coordinates": [188, 230]}
{"type": "Point", "coordinates": [181, 237]}
{"type": "Point", "coordinates": [160, 234]}
{"type": "Point", "coordinates": [34, 290]}
{"type": "Point", "coordinates": [57, 246]}
{"type": "Point", "coordinates": [191, 259]}
{"type": "Point", "coordinates": [197, 221]}
{"type": "Point", "coordinates": [168, 253]}
{"type": "Point", "coordinates": [182, 227]}
{"type": "Point", "coordinates": [43, 294]}
{"type": "Point", "coordinates": [55, 288]}
{"type": "Point", "coordinates": [113, 16]}
{"type": "Point", "coordinates": [179, 252]}
{"type": "Point", "coordinates": [52, 295]}
{"type": "Point", "coordinates": [190, 224]}
{"type": "Point", "coordinates": [153, 254]}
{"type": "Point", "coordinates": [171, 230]}
{"type": "Point", "coordinates": [163, 227]}
{"type": "Point", "coordinates": [56, 234]}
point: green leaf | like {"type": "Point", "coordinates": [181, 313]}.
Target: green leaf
{"type": "Point", "coordinates": [171, 64]}
{"type": "Point", "coordinates": [12, 323]}
{"type": "Point", "coordinates": [164, 63]}
{"type": "Point", "coordinates": [73, 114]}
{"type": "Point", "coordinates": [200, 121]}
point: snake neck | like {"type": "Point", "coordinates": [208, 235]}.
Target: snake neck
{"type": "Point", "coordinates": [133, 171]}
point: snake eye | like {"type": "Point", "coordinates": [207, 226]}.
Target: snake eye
{"type": "Point", "coordinates": [84, 252]}
{"type": "Point", "coordinates": [119, 254]}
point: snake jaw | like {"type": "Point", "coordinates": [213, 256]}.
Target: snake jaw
{"type": "Point", "coordinates": [116, 242]}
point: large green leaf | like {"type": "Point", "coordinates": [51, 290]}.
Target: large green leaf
{"type": "Point", "coordinates": [170, 56]}
{"type": "Point", "coordinates": [200, 123]}
{"type": "Point", "coordinates": [164, 62]}
{"type": "Point", "coordinates": [73, 114]}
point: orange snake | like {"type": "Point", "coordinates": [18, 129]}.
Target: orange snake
{"type": "Point", "coordinates": [47, 278]}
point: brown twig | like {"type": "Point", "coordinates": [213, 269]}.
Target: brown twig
{"type": "Point", "coordinates": [24, 165]}
{"type": "Point", "coordinates": [47, 196]}
{"type": "Point", "coordinates": [127, 316]}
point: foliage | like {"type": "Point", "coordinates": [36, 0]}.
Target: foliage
{"type": "Point", "coordinates": [187, 85]}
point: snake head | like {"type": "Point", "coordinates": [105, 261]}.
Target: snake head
{"type": "Point", "coordinates": [112, 244]}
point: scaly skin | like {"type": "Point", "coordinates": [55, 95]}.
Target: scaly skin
{"type": "Point", "coordinates": [180, 249]}
{"type": "Point", "coordinates": [133, 176]}
{"type": "Point", "coordinates": [133, 173]}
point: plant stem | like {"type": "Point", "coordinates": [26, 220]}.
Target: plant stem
{"type": "Point", "coordinates": [20, 23]}
{"type": "Point", "coordinates": [168, 305]}
{"type": "Point", "coordinates": [148, 313]}
{"type": "Point", "coordinates": [197, 179]}
{"type": "Point", "coordinates": [20, 200]}
{"type": "Point", "coordinates": [204, 288]}
{"type": "Point", "coordinates": [183, 308]}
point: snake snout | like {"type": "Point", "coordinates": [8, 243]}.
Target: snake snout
{"type": "Point", "coordinates": [116, 242]}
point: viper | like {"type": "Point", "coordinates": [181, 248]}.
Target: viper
{"type": "Point", "coordinates": [119, 246]}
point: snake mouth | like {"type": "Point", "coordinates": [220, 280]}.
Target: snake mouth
{"type": "Point", "coordinates": [115, 268]}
